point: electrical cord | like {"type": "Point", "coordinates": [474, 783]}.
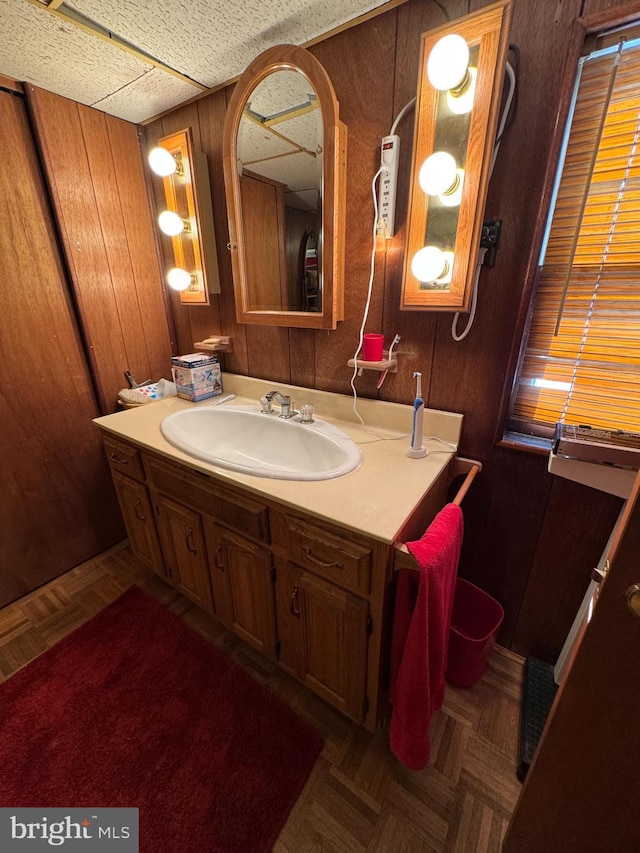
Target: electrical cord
{"type": "Point", "coordinates": [501, 129]}
{"type": "Point", "coordinates": [369, 291]}
{"type": "Point", "coordinates": [401, 115]}
{"type": "Point", "coordinates": [365, 315]}
{"type": "Point", "coordinates": [443, 10]}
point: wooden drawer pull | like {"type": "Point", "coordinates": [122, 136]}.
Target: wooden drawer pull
{"type": "Point", "coordinates": [190, 546]}
{"type": "Point", "coordinates": [293, 606]}
{"type": "Point", "coordinates": [119, 460]}
{"type": "Point", "coordinates": [138, 511]}
{"type": "Point", "coordinates": [218, 559]}
{"type": "Point", "coordinates": [309, 556]}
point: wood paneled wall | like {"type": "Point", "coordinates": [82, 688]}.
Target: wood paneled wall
{"type": "Point", "coordinates": [531, 539]}
{"type": "Point", "coordinates": [94, 171]}
{"type": "Point", "coordinates": [57, 504]}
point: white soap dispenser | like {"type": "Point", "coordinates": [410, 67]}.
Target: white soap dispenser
{"type": "Point", "coordinates": [416, 450]}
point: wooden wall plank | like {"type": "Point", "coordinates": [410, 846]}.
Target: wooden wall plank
{"type": "Point", "coordinates": [102, 170]}
{"type": "Point", "coordinates": [576, 527]}
{"type": "Point", "coordinates": [138, 233]}
{"type": "Point", "coordinates": [57, 504]}
{"type": "Point", "coordinates": [59, 133]}
{"type": "Point", "coordinates": [504, 514]}
{"type": "Point", "coordinates": [268, 352]}
{"type": "Point", "coordinates": [95, 175]}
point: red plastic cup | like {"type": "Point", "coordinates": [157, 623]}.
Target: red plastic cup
{"type": "Point", "coordinates": [372, 346]}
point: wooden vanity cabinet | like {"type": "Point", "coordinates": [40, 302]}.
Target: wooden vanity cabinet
{"type": "Point", "coordinates": [133, 496]}
{"type": "Point", "coordinates": [242, 577]}
{"type": "Point", "coordinates": [308, 594]}
{"type": "Point", "coordinates": [323, 632]}
{"type": "Point", "coordinates": [183, 547]}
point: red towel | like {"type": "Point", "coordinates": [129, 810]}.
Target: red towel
{"type": "Point", "coordinates": [420, 637]}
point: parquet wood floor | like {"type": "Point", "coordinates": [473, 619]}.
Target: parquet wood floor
{"type": "Point", "coordinates": [358, 797]}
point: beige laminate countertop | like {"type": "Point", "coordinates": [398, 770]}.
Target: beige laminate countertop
{"type": "Point", "coordinates": [375, 500]}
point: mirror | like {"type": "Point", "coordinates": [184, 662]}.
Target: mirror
{"type": "Point", "coordinates": [284, 153]}
{"type": "Point", "coordinates": [459, 87]}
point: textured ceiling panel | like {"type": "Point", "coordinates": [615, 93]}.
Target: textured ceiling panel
{"type": "Point", "coordinates": [212, 41]}
{"type": "Point", "coordinates": [147, 96]}
{"type": "Point", "coordinates": [36, 47]}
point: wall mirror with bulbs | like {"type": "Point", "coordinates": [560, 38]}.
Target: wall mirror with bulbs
{"type": "Point", "coordinates": [187, 218]}
{"type": "Point", "coordinates": [459, 88]}
{"type": "Point", "coordinates": [284, 151]}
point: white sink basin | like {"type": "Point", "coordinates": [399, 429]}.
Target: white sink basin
{"type": "Point", "coordinates": [243, 439]}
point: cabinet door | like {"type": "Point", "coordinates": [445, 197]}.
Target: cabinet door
{"type": "Point", "coordinates": [138, 518]}
{"type": "Point", "coordinates": [291, 655]}
{"type": "Point", "coordinates": [324, 637]}
{"type": "Point", "coordinates": [184, 551]}
{"type": "Point", "coordinates": [242, 581]}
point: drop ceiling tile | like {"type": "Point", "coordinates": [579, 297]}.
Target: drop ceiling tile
{"type": "Point", "coordinates": [147, 96]}
{"type": "Point", "coordinates": [212, 41]}
{"type": "Point", "coordinates": [38, 48]}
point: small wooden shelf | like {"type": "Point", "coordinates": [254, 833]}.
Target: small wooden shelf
{"type": "Point", "coordinates": [390, 365]}
{"type": "Point", "coordinates": [217, 343]}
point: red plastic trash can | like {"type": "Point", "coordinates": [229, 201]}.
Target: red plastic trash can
{"type": "Point", "coordinates": [475, 621]}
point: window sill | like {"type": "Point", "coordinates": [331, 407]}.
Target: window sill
{"type": "Point", "coordinates": [526, 443]}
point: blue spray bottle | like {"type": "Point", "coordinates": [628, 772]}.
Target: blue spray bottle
{"type": "Point", "coordinates": [416, 450]}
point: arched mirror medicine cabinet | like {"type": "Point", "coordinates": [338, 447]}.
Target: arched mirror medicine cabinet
{"type": "Point", "coordinates": [284, 153]}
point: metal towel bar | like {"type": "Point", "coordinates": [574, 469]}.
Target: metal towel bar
{"type": "Point", "coordinates": [402, 558]}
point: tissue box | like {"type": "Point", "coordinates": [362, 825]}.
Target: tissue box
{"type": "Point", "coordinates": [197, 376]}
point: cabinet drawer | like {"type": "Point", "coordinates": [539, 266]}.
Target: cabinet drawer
{"type": "Point", "coordinates": [199, 491]}
{"type": "Point", "coordinates": [124, 458]}
{"type": "Point", "coordinates": [346, 563]}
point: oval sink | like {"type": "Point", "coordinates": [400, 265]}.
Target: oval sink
{"type": "Point", "coordinates": [245, 440]}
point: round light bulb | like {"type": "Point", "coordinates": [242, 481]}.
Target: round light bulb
{"type": "Point", "coordinates": [448, 62]}
{"type": "Point", "coordinates": [460, 102]}
{"type": "Point", "coordinates": [179, 279]}
{"type": "Point", "coordinates": [170, 223]}
{"type": "Point", "coordinates": [438, 173]}
{"type": "Point", "coordinates": [162, 162]}
{"type": "Point", "coordinates": [429, 264]}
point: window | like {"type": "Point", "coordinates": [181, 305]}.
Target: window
{"type": "Point", "coordinates": [581, 361]}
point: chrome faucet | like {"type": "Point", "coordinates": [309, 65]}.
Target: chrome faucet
{"type": "Point", "coordinates": [287, 408]}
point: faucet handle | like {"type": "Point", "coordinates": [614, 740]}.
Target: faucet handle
{"type": "Point", "coordinates": [267, 408]}
{"type": "Point", "coordinates": [306, 414]}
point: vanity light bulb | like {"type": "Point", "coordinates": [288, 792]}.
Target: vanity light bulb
{"type": "Point", "coordinates": [170, 223]}
{"type": "Point", "coordinates": [179, 279]}
{"type": "Point", "coordinates": [448, 62]}
{"type": "Point", "coordinates": [460, 102]}
{"type": "Point", "coordinates": [438, 173]}
{"type": "Point", "coordinates": [162, 162]}
{"type": "Point", "coordinates": [429, 264]}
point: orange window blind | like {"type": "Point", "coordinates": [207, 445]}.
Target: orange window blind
{"type": "Point", "coordinates": [581, 363]}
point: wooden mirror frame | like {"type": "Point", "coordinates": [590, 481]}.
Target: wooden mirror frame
{"type": "Point", "coordinates": [292, 58]}
{"type": "Point", "coordinates": [487, 29]}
